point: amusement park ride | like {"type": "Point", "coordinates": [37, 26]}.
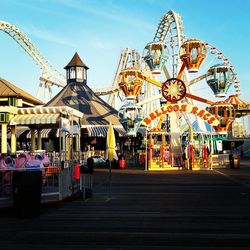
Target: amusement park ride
{"type": "Point", "coordinates": [50, 75]}
{"type": "Point", "coordinates": [168, 108]}
{"type": "Point", "coordinates": [158, 92]}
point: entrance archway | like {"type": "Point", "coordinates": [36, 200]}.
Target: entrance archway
{"type": "Point", "coordinates": [175, 144]}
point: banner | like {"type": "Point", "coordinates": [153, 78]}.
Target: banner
{"type": "Point", "coordinates": [185, 108]}
{"type": "Point", "coordinates": [64, 124]}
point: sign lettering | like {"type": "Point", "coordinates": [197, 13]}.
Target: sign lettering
{"type": "Point", "coordinates": [187, 108]}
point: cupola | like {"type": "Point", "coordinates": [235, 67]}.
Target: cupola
{"type": "Point", "coordinates": [76, 70]}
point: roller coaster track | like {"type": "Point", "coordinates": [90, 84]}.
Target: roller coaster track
{"type": "Point", "coordinates": [128, 58]}
{"type": "Point", "coordinates": [50, 75]}
{"type": "Point", "coordinates": [170, 30]}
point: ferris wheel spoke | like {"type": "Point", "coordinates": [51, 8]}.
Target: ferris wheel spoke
{"type": "Point", "coordinates": [198, 98]}
{"type": "Point", "coordinates": [198, 79]}
{"type": "Point", "coordinates": [166, 73]}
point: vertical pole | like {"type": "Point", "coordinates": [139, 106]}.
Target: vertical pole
{"type": "Point", "coordinates": [63, 139]}
{"type": "Point", "coordinates": [71, 139]}
{"type": "Point", "coordinates": [39, 139]}
{"type": "Point", "coordinates": [77, 148]}
{"type": "Point", "coordinates": [60, 147]}
{"type": "Point", "coordinates": [13, 140]}
{"type": "Point", "coordinates": [146, 151]}
{"type": "Point", "coordinates": [33, 140]}
{"type": "Point", "coordinates": [4, 138]}
{"type": "Point", "coordinates": [163, 147]}
{"type": "Point", "coordinates": [60, 162]}
{"type": "Point", "coordinates": [211, 149]}
{"type": "Point", "coordinates": [150, 150]}
{"type": "Point", "coordinates": [110, 179]}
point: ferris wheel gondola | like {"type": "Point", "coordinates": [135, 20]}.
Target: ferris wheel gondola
{"type": "Point", "coordinates": [155, 55]}
{"type": "Point", "coordinates": [219, 78]}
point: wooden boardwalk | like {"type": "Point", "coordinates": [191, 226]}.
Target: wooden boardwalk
{"type": "Point", "coordinates": [156, 210]}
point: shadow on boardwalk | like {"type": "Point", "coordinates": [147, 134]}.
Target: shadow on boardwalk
{"type": "Point", "coordinates": [142, 210]}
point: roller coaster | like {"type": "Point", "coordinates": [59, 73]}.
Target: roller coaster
{"type": "Point", "coordinates": [49, 75]}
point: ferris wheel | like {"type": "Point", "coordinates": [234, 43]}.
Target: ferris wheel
{"type": "Point", "coordinates": [177, 70]}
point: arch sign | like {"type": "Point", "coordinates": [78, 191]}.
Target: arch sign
{"type": "Point", "coordinates": [184, 108]}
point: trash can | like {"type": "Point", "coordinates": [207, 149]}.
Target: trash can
{"type": "Point", "coordinates": [86, 179]}
{"type": "Point", "coordinates": [122, 163]}
{"type": "Point", "coordinates": [236, 161]}
{"type": "Point", "coordinates": [27, 188]}
{"type": "Point", "coordinates": [231, 160]}
{"type": "Point", "coordinates": [90, 164]}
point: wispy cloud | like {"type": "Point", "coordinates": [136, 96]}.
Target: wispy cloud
{"type": "Point", "coordinates": [45, 34]}
{"type": "Point", "coordinates": [107, 10]}
{"type": "Point", "coordinates": [103, 45]}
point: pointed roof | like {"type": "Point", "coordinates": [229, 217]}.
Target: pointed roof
{"type": "Point", "coordinates": [79, 96]}
{"type": "Point", "coordinates": [235, 100]}
{"type": "Point", "coordinates": [76, 61]}
{"type": "Point", "coordinates": [8, 89]}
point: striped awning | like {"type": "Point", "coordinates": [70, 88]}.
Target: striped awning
{"type": "Point", "coordinates": [101, 131]}
{"type": "Point", "coordinates": [44, 133]}
{"type": "Point", "coordinates": [121, 131]}
{"type": "Point", "coordinates": [19, 131]}
{"type": "Point", "coordinates": [97, 131]}
{"type": "Point", "coordinates": [34, 119]}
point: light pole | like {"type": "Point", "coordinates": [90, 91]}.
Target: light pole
{"type": "Point", "coordinates": [211, 149]}
{"type": "Point", "coordinates": [146, 151]}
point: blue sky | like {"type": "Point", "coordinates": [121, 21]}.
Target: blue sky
{"type": "Point", "coordinates": [100, 29]}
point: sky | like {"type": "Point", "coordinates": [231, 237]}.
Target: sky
{"type": "Point", "coordinates": [100, 29]}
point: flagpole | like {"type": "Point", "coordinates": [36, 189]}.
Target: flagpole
{"type": "Point", "coordinates": [146, 151]}
{"type": "Point", "coordinates": [110, 152]}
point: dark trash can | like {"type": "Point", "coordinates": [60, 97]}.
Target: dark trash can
{"type": "Point", "coordinates": [90, 164]}
{"type": "Point", "coordinates": [231, 161]}
{"type": "Point", "coordinates": [27, 189]}
{"type": "Point", "coordinates": [87, 173]}
{"type": "Point", "coordinates": [84, 169]}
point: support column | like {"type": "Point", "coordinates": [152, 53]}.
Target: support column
{"type": "Point", "coordinates": [4, 138]}
{"type": "Point", "coordinates": [13, 140]}
{"type": "Point", "coordinates": [39, 139]}
{"type": "Point", "coordinates": [150, 155]}
{"type": "Point", "coordinates": [68, 148]}
{"type": "Point", "coordinates": [163, 148]}
{"type": "Point", "coordinates": [64, 146]}
{"type": "Point", "coordinates": [33, 140]}
{"type": "Point", "coordinates": [77, 148]}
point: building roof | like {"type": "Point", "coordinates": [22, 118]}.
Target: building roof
{"type": "Point", "coordinates": [76, 61]}
{"type": "Point", "coordinates": [79, 96]}
{"type": "Point", "coordinates": [234, 99]}
{"type": "Point", "coordinates": [8, 89]}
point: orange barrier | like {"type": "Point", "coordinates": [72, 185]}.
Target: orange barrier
{"type": "Point", "coordinates": [52, 170]}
